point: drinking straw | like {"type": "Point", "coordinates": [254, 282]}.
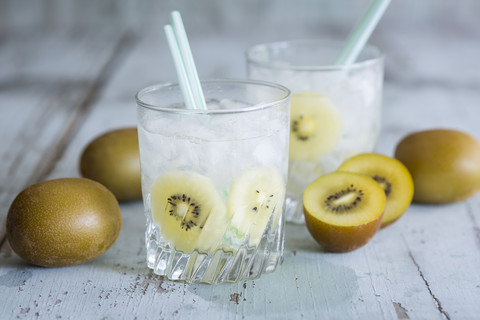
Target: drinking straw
{"type": "Point", "coordinates": [362, 32]}
{"type": "Point", "coordinates": [184, 65]}
{"type": "Point", "coordinates": [187, 56]}
{"type": "Point", "coordinates": [179, 67]}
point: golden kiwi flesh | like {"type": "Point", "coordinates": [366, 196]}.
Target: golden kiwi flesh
{"type": "Point", "coordinates": [392, 176]}
{"type": "Point", "coordinates": [445, 164]}
{"type": "Point", "coordinates": [113, 160]}
{"type": "Point", "coordinates": [343, 210]}
{"type": "Point", "coordinates": [63, 222]}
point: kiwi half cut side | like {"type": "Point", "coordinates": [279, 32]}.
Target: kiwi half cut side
{"type": "Point", "coordinates": [343, 210]}
{"type": "Point", "coordinates": [391, 175]}
{"type": "Point", "coordinates": [316, 126]}
{"type": "Point", "coordinates": [189, 210]}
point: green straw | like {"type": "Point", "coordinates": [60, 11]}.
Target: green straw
{"type": "Point", "coordinates": [362, 32]}
{"type": "Point", "coordinates": [184, 65]}
{"type": "Point", "coordinates": [179, 67]}
{"type": "Point", "coordinates": [187, 56]}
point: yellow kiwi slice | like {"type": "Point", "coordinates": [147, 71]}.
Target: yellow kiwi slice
{"type": "Point", "coordinates": [343, 210]}
{"type": "Point", "coordinates": [189, 210]}
{"type": "Point", "coordinates": [315, 126]}
{"type": "Point", "coordinates": [255, 196]}
{"type": "Point", "coordinates": [392, 176]}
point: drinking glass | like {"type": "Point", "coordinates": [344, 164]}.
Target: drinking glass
{"type": "Point", "coordinates": [335, 109]}
{"type": "Point", "coordinates": [214, 181]}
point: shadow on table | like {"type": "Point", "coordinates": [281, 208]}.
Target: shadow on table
{"type": "Point", "coordinates": [297, 238]}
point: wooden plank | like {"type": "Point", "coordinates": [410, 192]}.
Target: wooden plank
{"type": "Point", "coordinates": [42, 104]}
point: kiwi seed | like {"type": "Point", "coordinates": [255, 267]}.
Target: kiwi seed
{"type": "Point", "coordinates": [350, 195]}
{"type": "Point", "coordinates": [384, 183]}
{"type": "Point", "coordinates": [262, 200]}
{"type": "Point", "coordinates": [303, 128]}
{"type": "Point", "coordinates": [184, 208]}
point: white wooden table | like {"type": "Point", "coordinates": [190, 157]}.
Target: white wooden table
{"type": "Point", "coordinates": [62, 86]}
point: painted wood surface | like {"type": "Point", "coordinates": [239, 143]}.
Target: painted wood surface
{"type": "Point", "coordinates": [59, 88]}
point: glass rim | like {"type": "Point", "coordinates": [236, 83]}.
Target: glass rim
{"type": "Point", "coordinates": [256, 107]}
{"type": "Point", "coordinates": [379, 56]}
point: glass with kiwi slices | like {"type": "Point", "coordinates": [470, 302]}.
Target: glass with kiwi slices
{"type": "Point", "coordinates": [335, 109]}
{"type": "Point", "coordinates": [214, 181]}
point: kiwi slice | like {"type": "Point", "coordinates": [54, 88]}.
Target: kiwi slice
{"type": "Point", "coordinates": [343, 210]}
{"type": "Point", "coordinates": [189, 210]}
{"type": "Point", "coordinates": [316, 125]}
{"type": "Point", "coordinates": [255, 196]}
{"type": "Point", "coordinates": [393, 177]}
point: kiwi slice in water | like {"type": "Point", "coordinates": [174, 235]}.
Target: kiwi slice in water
{"type": "Point", "coordinates": [393, 177]}
{"type": "Point", "coordinates": [256, 197]}
{"type": "Point", "coordinates": [316, 125]}
{"type": "Point", "coordinates": [343, 210]}
{"type": "Point", "coordinates": [190, 211]}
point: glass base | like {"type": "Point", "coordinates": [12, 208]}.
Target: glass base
{"type": "Point", "coordinates": [294, 210]}
{"type": "Point", "coordinates": [212, 268]}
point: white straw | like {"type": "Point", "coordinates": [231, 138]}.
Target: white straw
{"type": "Point", "coordinates": [359, 36]}
{"type": "Point", "coordinates": [179, 67]}
{"type": "Point", "coordinates": [187, 57]}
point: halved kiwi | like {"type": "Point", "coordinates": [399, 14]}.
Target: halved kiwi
{"type": "Point", "coordinates": [315, 126]}
{"type": "Point", "coordinates": [392, 176]}
{"type": "Point", "coordinates": [343, 210]}
{"type": "Point", "coordinates": [255, 196]}
{"type": "Point", "coordinates": [189, 210]}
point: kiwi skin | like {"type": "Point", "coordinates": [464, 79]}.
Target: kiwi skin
{"type": "Point", "coordinates": [63, 222]}
{"type": "Point", "coordinates": [337, 237]}
{"type": "Point", "coordinates": [113, 160]}
{"type": "Point", "coordinates": [342, 238]}
{"type": "Point", "coordinates": [444, 164]}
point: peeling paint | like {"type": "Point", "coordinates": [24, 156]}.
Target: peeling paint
{"type": "Point", "coordinates": [435, 299]}
{"type": "Point", "coordinates": [234, 297]}
{"type": "Point", "coordinates": [14, 278]}
{"type": "Point", "coordinates": [401, 311]}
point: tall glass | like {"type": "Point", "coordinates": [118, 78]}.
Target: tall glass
{"type": "Point", "coordinates": [214, 181]}
{"type": "Point", "coordinates": [335, 110]}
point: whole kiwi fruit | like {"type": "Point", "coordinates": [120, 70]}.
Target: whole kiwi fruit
{"type": "Point", "coordinates": [444, 164]}
{"type": "Point", "coordinates": [63, 222]}
{"type": "Point", "coordinates": [113, 160]}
